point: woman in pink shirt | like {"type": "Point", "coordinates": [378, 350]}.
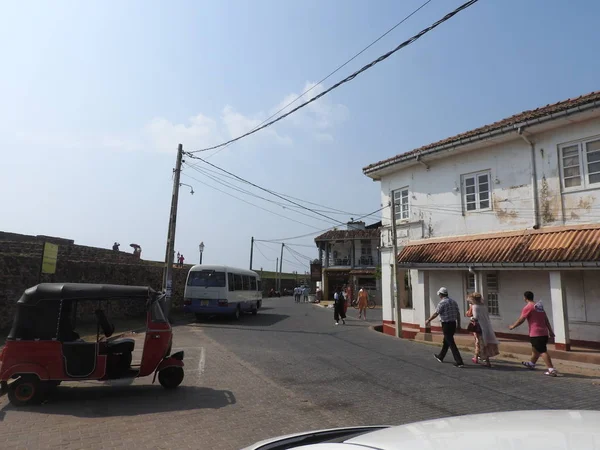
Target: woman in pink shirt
{"type": "Point", "coordinates": [539, 330]}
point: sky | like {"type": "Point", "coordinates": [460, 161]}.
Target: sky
{"type": "Point", "coordinates": [96, 96]}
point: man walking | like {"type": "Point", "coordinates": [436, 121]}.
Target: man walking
{"type": "Point", "coordinates": [305, 293]}
{"type": "Point", "coordinates": [539, 330]}
{"type": "Point", "coordinates": [449, 314]}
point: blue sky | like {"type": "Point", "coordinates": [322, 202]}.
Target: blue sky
{"type": "Point", "coordinates": [96, 96]}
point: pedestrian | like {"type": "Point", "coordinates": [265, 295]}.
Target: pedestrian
{"type": "Point", "coordinates": [297, 294]}
{"type": "Point", "coordinates": [338, 306]}
{"type": "Point", "coordinates": [350, 295]}
{"type": "Point", "coordinates": [305, 293]}
{"type": "Point", "coordinates": [539, 331]}
{"type": "Point", "coordinates": [363, 301]}
{"type": "Point", "coordinates": [447, 310]}
{"type": "Point", "coordinates": [182, 259]}
{"type": "Point", "coordinates": [486, 341]}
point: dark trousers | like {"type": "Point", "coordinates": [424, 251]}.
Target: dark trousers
{"type": "Point", "coordinates": [449, 328]}
{"type": "Point", "coordinates": [338, 311]}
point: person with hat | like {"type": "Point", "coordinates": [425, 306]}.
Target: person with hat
{"type": "Point", "coordinates": [447, 310]}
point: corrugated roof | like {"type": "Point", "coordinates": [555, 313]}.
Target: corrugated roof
{"type": "Point", "coordinates": [524, 116]}
{"type": "Point", "coordinates": [340, 235]}
{"type": "Point", "coordinates": [565, 245]}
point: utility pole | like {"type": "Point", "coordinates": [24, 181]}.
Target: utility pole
{"type": "Point", "coordinates": [397, 306]}
{"type": "Point", "coordinates": [276, 274]}
{"type": "Point", "coordinates": [251, 250]}
{"type": "Point", "coordinates": [281, 265]}
{"type": "Point", "coordinates": [170, 254]}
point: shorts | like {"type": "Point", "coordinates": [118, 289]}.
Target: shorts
{"type": "Point", "coordinates": [539, 343]}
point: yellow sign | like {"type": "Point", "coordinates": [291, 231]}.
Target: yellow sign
{"type": "Point", "coordinates": [49, 258]}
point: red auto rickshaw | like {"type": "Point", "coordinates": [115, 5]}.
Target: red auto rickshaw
{"type": "Point", "coordinates": [43, 349]}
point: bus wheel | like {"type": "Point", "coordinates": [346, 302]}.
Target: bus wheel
{"type": "Point", "coordinates": [237, 313]}
{"type": "Point", "coordinates": [255, 310]}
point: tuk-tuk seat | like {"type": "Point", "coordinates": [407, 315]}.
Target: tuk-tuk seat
{"type": "Point", "coordinates": [120, 345]}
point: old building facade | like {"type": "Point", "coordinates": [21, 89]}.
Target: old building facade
{"type": "Point", "coordinates": [505, 208]}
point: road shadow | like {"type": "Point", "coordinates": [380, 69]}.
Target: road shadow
{"type": "Point", "coordinates": [246, 320]}
{"type": "Point", "coordinates": [101, 400]}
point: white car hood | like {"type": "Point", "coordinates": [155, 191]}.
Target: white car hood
{"type": "Point", "coordinates": [531, 430]}
{"type": "Point", "coordinates": [515, 430]}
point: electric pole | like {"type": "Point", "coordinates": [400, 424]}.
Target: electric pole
{"type": "Point", "coordinates": [170, 254]}
{"type": "Point", "coordinates": [281, 265]}
{"type": "Point", "coordinates": [251, 250]}
{"type": "Point", "coordinates": [276, 275]}
{"type": "Point", "coordinates": [397, 306]}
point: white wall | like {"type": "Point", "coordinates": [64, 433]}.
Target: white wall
{"type": "Point", "coordinates": [436, 206]}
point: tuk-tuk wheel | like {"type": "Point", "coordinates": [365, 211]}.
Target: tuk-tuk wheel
{"type": "Point", "coordinates": [171, 377]}
{"type": "Point", "coordinates": [25, 391]}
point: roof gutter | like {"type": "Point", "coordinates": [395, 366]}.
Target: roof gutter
{"type": "Point", "coordinates": [481, 137]}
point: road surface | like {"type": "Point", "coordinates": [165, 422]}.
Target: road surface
{"type": "Point", "coordinates": [288, 369]}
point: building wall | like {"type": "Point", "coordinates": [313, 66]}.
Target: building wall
{"type": "Point", "coordinates": [435, 195]}
{"type": "Point", "coordinates": [582, 293]}
{"type": "Point", "coordinates": [436, 210]}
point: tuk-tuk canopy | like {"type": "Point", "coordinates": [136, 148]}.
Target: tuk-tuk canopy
{"type": "Point", "coordinates": [83, 291]}
{"type": "Point", "coordinates": [41, 307]}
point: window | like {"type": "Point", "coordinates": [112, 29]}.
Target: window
{"type": "Point", "coordinates": [230, 282]}
{"type": "Point", "coordinates": [476, 191]}
{"type": "Point", "coordinates": [246, 282]}
{"type": "Point", "coordinates": [259, 285]}
{"type": "Point", "coordinates": [401, 203]}
{"type": "Point", "coordinates": [470, 283]}
{"type": "Point", "coordinates": [491, 286]}
{"type": "Point", "coordinates": [580, 164]}
{"type": "Point", "coordinates": [238, 281]}
{"type": "Point", "coordinates": [206, 278]}
{"type": "Point", "coordinates": [252, 283]}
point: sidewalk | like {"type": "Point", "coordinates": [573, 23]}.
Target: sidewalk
{"type": "Point", "coordinates": [511, 347]}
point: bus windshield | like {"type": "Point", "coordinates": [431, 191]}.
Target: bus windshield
{"type": "Point", "coordinates": [206, 278]}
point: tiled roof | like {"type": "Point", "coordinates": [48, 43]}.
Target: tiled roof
{"type": "Point", "coordinates": [562, 245]}
{"type": "Point", "coordinates": [511, 121]}
{"type": "Point", "coordinates": [340, 235]}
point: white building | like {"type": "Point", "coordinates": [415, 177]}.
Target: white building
{"type": "Point", "coordinates": [469, 218]}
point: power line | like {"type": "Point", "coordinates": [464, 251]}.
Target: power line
{"type": "Point", "coordinates": [348, 78]}
{"type": "Point", "coordinates": [269, 191]}
{"type": "Point", "coordinates": [329, 209]}
{"type": "Point", "coordinates": [286, 243]}
{"type": "Point", "coordinates": [320, 231]}
{"type": "Point", "coordinates": [300, 254]}
{"type": "Point", "coordinates": [332, 73]}
{"type": "Point", "coordinates": [249, 203]}
{"type": "Point", "coordinates": [261, 252]}
{"type": "Point", "coordinates": [252, 194]}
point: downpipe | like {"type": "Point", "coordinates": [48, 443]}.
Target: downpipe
{"type": "Point", "coordinates": [536, 201]}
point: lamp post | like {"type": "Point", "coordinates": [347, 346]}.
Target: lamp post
{"type": "Point", "coordinates": [201, 248]}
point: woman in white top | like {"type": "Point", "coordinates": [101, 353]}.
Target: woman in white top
{"type": "Point", "coordinates": [488, 343]}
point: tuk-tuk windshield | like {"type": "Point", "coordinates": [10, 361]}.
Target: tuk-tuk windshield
{"type": "Point", "coordinates": [156, 310]}
{"type": "Point", "coordinates": [206, 278]}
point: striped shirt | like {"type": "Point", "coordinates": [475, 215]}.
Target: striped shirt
{"type": "Point", "coordinates": [448, 311]}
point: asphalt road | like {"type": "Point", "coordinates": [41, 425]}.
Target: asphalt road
{"type": "Point", "coordinates": [287, 369]}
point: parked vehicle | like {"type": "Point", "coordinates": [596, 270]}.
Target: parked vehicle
{"type": "Point", "coordinates": [503, 431]}
{"type": "Point", "coordinates": [222, 290]}
{"type": "Point", "coordinates": [274, 293]}
{"type": "Point", "coordinates": [43, 349]}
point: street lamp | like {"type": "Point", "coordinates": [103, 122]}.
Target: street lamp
{"type": "Point", "coordinates": [201, 248]}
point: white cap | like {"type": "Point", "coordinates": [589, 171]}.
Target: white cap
{"type": "Point", "coordinates": [442, 291]}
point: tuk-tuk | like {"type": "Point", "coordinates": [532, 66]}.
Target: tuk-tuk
{"type": "Point", "coordinates": [44, 349]}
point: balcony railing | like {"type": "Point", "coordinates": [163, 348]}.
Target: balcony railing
{"type": "Point", "coordinates": [361, 261]}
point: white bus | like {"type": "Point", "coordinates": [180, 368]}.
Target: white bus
{"type": "Point", "coordinates": [222, 290]}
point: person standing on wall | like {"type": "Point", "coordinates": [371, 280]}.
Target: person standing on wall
{"type": "Point", "coordinates": [539, 331]}
{"type": "Point", "coordinates": [447, 310]}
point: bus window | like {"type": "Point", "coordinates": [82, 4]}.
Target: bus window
{"type": "Point", "coordinates": [252, 283]}
{"type": "Point", "coordinates": [230, 282]}
{"type": "Point", "coordinates": [206, 278]}
{"type": "Point", "coordinates": [246, 283]}
{"type": "Point", "coordinates": [239, 285]}
{"type": "Point", "coordinates": [259, 285]}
